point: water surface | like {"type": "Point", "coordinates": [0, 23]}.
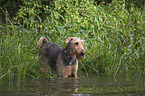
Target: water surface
{"type": "Point", "coordinates": [83, 86]}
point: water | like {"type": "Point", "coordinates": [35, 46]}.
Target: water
{"type": "Point", "coordinates": [83, 86]}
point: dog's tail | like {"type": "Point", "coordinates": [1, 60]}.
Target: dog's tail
{"type": "Point", "coordinates": [41, 41]}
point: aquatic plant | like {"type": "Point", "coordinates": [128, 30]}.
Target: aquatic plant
{"type": "Point", "coordinates": [114, 36]}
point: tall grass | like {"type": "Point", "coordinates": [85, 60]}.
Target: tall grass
{"type": "Point", "coordinates": [17, 51]}
{"type": "Point", "coordinates": [114, 37]}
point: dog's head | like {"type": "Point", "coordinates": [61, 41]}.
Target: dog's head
{"type": "Point", "coordinates": [76, 45]}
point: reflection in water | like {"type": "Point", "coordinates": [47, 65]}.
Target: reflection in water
{"type": "Point", "coordinates": [58, 86]}
{"type": "Point", "coordinates": [101, 85]}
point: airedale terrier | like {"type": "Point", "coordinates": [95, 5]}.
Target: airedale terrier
{"type": "Point", "coordinates": [64, 62]}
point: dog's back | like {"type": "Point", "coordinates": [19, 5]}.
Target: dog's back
{"type": "Point", "coordinates": [48, 54]}
{"type": "Point", "coordinates": [52, 50]}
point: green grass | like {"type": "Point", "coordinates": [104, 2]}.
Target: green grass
{"type": "Point", "coordinates": [114, 37]}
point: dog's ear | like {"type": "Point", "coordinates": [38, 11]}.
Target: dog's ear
{"type": "Point", "coordinates": [69, 39]}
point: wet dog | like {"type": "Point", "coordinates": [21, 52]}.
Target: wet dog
{"type": "Point", "coordinates": [63, 62]}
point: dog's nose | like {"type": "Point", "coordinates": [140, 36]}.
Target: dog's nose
{"type": "Point", "coordinates": [82, 53]}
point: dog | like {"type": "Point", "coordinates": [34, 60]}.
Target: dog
{"type": "Point", "coordinates": [62, 61]}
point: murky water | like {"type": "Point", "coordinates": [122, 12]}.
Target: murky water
{"type": "Point", "coordinates": [85, 86]}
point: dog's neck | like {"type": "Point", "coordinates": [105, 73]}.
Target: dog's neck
{"type": "Point", "coordinates": [70, 51]}
{"type": "Point", "coordinates": [71, 59]}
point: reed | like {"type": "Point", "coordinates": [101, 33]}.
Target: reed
{"type": "Point", "coordinates": [114, 37]}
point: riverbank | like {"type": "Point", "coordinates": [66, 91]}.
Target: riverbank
{"type": "Point", "coordinates": [114, 37]}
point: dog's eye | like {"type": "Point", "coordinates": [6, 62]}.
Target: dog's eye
{"type": "Point", "coordinates": [77, 43]}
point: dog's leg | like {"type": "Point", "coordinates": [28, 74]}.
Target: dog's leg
{"type": "Point", "coordinates": [75, 74]}
{"type": "Point", "coordinates": [74, 71]}
{"type": "Point", "coordinates": [66, 71]}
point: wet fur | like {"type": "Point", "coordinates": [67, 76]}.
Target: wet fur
{"type": "Point", "coordinates": [63, 62]}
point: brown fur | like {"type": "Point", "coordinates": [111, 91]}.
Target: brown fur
{"type": "Point", "coordinates": [64, 62]}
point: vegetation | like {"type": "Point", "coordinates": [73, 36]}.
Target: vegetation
{"type": "Point", "coordinates": [114, 36]}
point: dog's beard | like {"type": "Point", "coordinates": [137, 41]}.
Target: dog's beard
{"type": "Point", "coordinates": [79, 57]}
